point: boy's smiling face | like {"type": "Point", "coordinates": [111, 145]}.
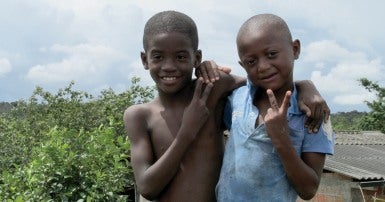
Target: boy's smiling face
{"type": "Point", "coordinates": [268, 57]}
{"type": "Point", "coordinates": [170, 58]}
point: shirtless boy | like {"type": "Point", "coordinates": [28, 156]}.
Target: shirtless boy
{"type": "Point", "coordinates": [177, 139]}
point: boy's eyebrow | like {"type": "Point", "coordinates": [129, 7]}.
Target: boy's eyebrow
{"type": "Point", "coordinates": [183, 51]}
{"type": "Point", "coordinates": [154, 51]}
{"type": "Point", "coordinates": [160, 51]}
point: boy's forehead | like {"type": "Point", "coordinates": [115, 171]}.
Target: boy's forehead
{"type": "Point", "coordinates": [170, 40]}
{"type": "Point", "coordinates": [262, 28]}
{"type": "Point", "coordinates": [261, 40]}
{"type": "Point", "coordinates": [256, 33]}
{"type": "Point", "coordinates": [265, 32]}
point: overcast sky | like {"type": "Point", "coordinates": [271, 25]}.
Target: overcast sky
{"type": "Point", "coordinates": [97, 43]}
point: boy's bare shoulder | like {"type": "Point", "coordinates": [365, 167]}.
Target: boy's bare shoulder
{"type": "Point", "coordinates": [139, 112]}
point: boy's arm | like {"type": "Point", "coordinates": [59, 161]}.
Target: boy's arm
{"type": "Point", "coordinates": [151, 175]}
{"type": "Point", "coordinates": [142, 157]}
{"type": "Point", "coordinates": [303, 174]}
{"type": "Point", "coordinates": [311, 102]}
{"type": "Point", "coordinates": [210, 71]}
{"type": "Point", "coordinates": [224, 81]}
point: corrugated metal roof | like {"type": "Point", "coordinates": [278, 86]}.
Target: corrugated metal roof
{"type": "Point", "coordinates": [359, 155]}
{"type": "Point", "coordinates": [359, 138]}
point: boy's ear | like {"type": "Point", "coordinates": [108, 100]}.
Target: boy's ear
{"type": "Point", "coordinates": [296, 48]}
{"type": "Point", "coordinates": [143, 56]}
{"type": "Point", "coordinates": [240, 63]}
{"type": "Point", "coordinates": [198, 58]}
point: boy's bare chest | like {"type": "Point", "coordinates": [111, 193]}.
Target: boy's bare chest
{"type": "Point", "coordinates": [164, 129]}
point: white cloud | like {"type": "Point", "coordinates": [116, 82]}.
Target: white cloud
{"type": "Point", "coordinates": [111, 22]}
{"type": "Point", "coordinates": [83, 62]}
{"type": "Point", "coordinates": [341, 70]}
{"type": "Point", "coordinates": [327, 51]}
{"type": "Point", "coordinates": [5, 66]}
{"type": "Point", "coordinates": [352, 99]}
{"type": "Point", "coordinates": [354, 21]}
{"type": "Point", "coordinates": [136, 69]}
{"type": "Point", "coordinates": [89, 51]}
{"type": "Point", "coordinates": [98, 42]}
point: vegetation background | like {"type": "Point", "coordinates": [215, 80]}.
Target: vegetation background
{"type": "Point", "coordinates": [68, 146]}
{"type": "Point", "coordinates": [71, 146]}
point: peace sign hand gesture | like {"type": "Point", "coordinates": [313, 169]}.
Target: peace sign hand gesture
{"type": "Point", "coordinates": [196, 113]}
{"type": "Point", "coordinates": [275, 119]}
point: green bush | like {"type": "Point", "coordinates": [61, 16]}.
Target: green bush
{"type": "Point", "coordinates": [68, 146]}
{"type": "Point", "coordinates": [374, 120]}
{"type": "Point", "coordinates": [73, 165]}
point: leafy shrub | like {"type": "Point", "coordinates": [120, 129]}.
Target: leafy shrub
{"type": "Point", "coordinates": [73, 165]}
{"type": "Point", "coordinates": [67, 146]}
{"type": "Point", "coordinates": [374, 120]}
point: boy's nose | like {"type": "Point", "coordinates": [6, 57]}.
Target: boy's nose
{"type": "Point", "coordinates": [263, 64]}
{"type": "Point", "coordinates": [168, 65]}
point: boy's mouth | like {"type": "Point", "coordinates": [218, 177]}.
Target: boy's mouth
{"type": "Point", "coordinates": [169, 78]}
{"type": "Point", "coordinates": [268, 77]}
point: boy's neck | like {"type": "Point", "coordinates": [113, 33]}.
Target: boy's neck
{"type": "Point", "coordinates": [180, 98]}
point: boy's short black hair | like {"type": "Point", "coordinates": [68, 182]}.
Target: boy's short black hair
{"type": "Point", "coordinates": [170, 21]}
{"type": "Point", "coordinates": [263, 20]}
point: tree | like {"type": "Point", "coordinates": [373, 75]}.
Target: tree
{"type": "Point", "coordinates": [5, 107]}
{"type": "Point", "coordinates": [68, 146]}
{"type": "Point", "coordinates": [375, 119]}
{"type": "Point", "coordinates": [347, 120]}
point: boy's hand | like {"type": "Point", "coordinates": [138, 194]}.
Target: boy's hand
{"type": "Point", "coordinates": [316, 112]}
{"type": "Point", "coordinates": [196, 113]}
{"type": "Point", "coordinates": [311, 102]}
{"type": "Point", "coordinates": [209, 71]}
{"type": "Point", "coordinates": [275, 119]}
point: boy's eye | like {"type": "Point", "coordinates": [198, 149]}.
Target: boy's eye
{"type": "Point", "coordinates": [181, 57]}
{"type": "Point", "coordinates": [156, 57]}
{"type": "Point", "coordinates": [272, 54]}
{"type": "Point", "coordinates": [249, 62]}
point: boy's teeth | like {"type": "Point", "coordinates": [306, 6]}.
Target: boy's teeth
{"type": "Point", "coordinates": [169, 78]}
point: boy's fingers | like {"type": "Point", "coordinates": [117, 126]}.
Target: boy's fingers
{"type": "Point", "coordinates": [313, 125]}
{"type": "Point", "coordinates": [207, 91]}
{"type": "Point", "coordinates": [326, 114]}
{"type": "Point", "coordinates": [215, 75]}
{"type": "Point", "coordinates": [211, 70]}
{"type": "Point", "coordinates": [226, 70]}
{"type": "Point", "coordinates": [286, 101]}
{"type": "Point", "coordinates": [304, 108]}
{"type": "Point", "coordinates": [273, 101]}
{"type": "Point", "coordinates": [316, 126]}
{"type": "Point", "coordinates": [318, 115]}
{"type": "Point", "coordinates": [204, 73]}
{"type": "Point", "coordinates": [317, 119]}
{"type": "Point", "coordinates": [198, 88]}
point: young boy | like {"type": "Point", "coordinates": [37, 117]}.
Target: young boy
{"type": "Point", "coordinates": [177, 139]}
{"type": "Point", "coordinates": [269, 155]}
